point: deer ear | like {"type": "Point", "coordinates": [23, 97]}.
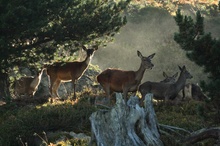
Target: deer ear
{"type": "Point", "coordinates": [151, 56]}
{"type": "Point", "coordinates": [175, 75]}
{"type": "Point", "coordinates": [180, 68]}
{"type": "Point", "coordinates": [184, 67]}
{"type": "Point", "coordinates": [139, 54]}
{"type": "Point", "coordinates": [84, 48]}
{"type": "Point", "coordinates": [165, 75]}
{"type": "Point", "coordinates": [95, 47]}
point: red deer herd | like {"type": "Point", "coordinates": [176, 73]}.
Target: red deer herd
{"type": "Point", "coordinates": [113, 80]}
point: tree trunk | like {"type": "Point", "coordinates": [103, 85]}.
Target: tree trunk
{"type": "Point", "coordinates": [4, 86]}
{"type": "Point", "coordinates": [124, 124]}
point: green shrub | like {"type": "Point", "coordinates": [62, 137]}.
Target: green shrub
{"type": "Point", "coordinates": [48, 117]}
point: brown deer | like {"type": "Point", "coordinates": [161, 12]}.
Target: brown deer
{"type": "Point", "coordinates": [27, 85]}
{"type": "Point", "coordinates": [164, 91]}
{"type": "Point", "coordinates": [115, 80]}
{"type": "Point", "coordinates": [68, 71]}
{"type": "Point", "coordinates": [169, 79]}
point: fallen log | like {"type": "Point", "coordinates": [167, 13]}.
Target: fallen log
{"type": "Point", "coordinates": [203, 134]}
{"type": "Point", "coordinates": [126, 124]}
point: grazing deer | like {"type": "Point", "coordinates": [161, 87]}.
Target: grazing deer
{"type": "Point", "coordinates": [27, 85]}
{"type": "Point", "coordinates": [165, 91]}
{"type": "Point", "coordinates": [169, 79]}
{"type": "Point", "coordinates": [68, 71]}
{"type": "Point", "coordinates": [115, 80]}
{"type": "Point", "coordinates": [193, 91]}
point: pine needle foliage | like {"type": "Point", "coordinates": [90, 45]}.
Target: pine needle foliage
{"type": "Point", "coordinates": [201, 48]}
{"type": "Point", "coordinates": [34, 32]}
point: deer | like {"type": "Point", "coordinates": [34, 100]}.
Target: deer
{"type": "Point", "coordinates": [190, 90]}
{"type": "Point", "coordinates": [169, 79]}
{"type": "Point", "coordinates": [164, 91]}
{"type": "Point", "coordinates": [68, 71]}
{"type": "Point", "coordinates": [193, 91]}
{"type": "Point", "coordinates": [116, 80]}
{"type": "Point", "coordinates": [27, 85]}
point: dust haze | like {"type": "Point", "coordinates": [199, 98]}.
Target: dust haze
{"type": "Point", "coordinates": [152, 34]}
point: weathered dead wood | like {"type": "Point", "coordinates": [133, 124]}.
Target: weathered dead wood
{"type": "Point", "coordinates": [126, 124]}
{"type": "Point", "coordinates": [202, 134]}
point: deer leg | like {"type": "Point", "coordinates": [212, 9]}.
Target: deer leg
{"type": "Point", "coordinates": [183, 92]}
{"type": "Point", "coordinates": [56, 86]}
{"type": "Point", "coordinates": [74, 90]}
{"type": "Point", "coordinates": [166, 99]}
{"type": "Point", "coordinates": [51, 81]}
{"type": "Point", "coordinates": [107, 90]}
{"type": "Point", "coordinates": [125, 94]}
{"type": "Point", "coordinates": [134, 93]}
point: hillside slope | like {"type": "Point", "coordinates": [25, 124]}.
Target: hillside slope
{"type": "Point", "coordinates": [151, 30]}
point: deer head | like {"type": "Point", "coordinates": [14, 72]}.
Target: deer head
{"type": "Point", "coordinates": [146, 61]}
{"type": "Point", "coordinates": [169, 79]}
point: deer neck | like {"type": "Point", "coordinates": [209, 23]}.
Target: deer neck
{"type": "Point", "coordinates": [40, 75]}
{"type": "Point", "coordinates": [139, 73]}
{"type": "Point", "coordinates": [36, 80]}
{"type": "Point", "coordinates": [86, 62]}
{"type": "Point", "coordinates": [180, 83]}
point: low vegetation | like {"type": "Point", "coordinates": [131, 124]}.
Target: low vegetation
{"type": "Point", "coordinates": [189, 115]}
{"type": "Point", "coordinates": [19, 123]}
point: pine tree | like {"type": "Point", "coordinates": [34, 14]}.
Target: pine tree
{"type": "Point", "coordinates": [32, 32]}
{"type": "Point", "coordinates": [201, 48]}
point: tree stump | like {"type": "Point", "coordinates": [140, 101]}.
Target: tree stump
{"type": "Point", "coordinates": [126, 124]}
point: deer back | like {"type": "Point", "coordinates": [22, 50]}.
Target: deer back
{"type": "Point", "coordinates": [22, 86]}
{"type": "Point", "coordinates": [158, 89]}
{"type": "Point", "coordinates": [66, 70]}
{"type": "Point", "coordinates": [116, 78]}
{"type": "Point", "coordinates": [197, 93]}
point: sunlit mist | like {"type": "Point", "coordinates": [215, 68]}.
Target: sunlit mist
{"type": "Point", "coordinates": [152, 33]}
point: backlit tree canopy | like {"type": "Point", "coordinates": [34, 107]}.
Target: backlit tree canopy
{"type": "Point", "coordinates": [35, 28]}
{"type": "Point", "coordinates": [201, 48]}
{"type": "Point", "coordinates": [32, 31]}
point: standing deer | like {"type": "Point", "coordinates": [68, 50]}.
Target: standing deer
{"type": "Point", "coordinates": [165, 91]}
{"type": "Point", "coordinates": [169, 79]}
{"type": "Point", "coordinates": [27, 85]}
{"type": "Point", "coordinates": [68, 71]}
{"type": "Point", "coordinates": [115, 80]}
